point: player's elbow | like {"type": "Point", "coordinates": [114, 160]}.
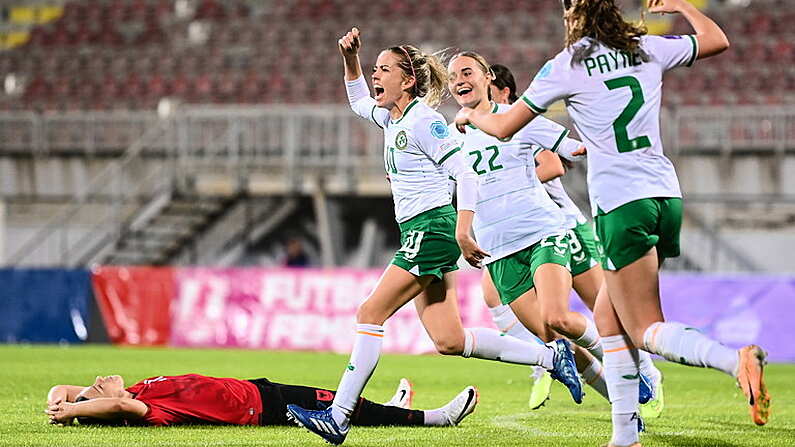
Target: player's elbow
{"type": "Point", "coordinates": [503, 133]}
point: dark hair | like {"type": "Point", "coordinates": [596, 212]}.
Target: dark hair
{"type": "Point", "coordinates": [504, 78]}
{"type": "Point", "coordinates": [601, 20]}
{"type": "Point", "coordinates": [430, 76]}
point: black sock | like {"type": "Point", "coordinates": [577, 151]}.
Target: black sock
{"type": "Point", "coordinates": [372, 414]}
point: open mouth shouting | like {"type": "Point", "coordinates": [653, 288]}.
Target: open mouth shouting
{"type": "Point", "coordinates": [379, 92]}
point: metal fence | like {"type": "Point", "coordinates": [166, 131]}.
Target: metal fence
{"type": "Point", "coordinates": [314, 134]}
{"type": "Point", "coordinates": [290, 142]}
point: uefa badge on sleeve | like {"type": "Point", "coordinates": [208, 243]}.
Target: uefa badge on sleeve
{"type": "Point", "coordinates": [401, 141]}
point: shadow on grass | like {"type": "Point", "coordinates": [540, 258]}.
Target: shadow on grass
{"type": "Point", "coordinates": [749, 428]}
{"type": "Point", "coordinates": [689, 441]}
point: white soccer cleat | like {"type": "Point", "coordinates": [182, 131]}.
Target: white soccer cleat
{"type": "Point", "coordinates": [462, 405]}
{"type": "Point", "coordinates": [403, 397]}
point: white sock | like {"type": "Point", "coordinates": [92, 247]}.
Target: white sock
{"type": "Point", "coordinates": [436, 417]}
{"type": "Point", "coordinates": [489, 344]}
{"type": "Point", "coordinates": [364, 358]}
{"type": "Point", "coordinates": [594, 376]}
{"type": "Point", "coordinates": [508, 323]}
{"type": "Point", "coordinates": [621, 372]}
{"type": "Point", "coordinates": [687, 345]}
{"type": "Point", "coordinates": [647, 367]}
{"type": "Point", "coordinates": [590, 339]}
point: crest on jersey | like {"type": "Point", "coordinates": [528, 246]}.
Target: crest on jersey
{"type": "Point", "coordinates": [440, 130]}
{"type": "Point", "coordinates": [401, 140]}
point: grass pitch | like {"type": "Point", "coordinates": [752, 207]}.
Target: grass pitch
{"type": "Point", "coordinates": [703, 408]}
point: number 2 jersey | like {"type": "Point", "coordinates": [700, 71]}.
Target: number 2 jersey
{"type": "Point", "coordinates": [196, 399]}
{"type": "Point", "coordinates": [614, 99]}
{"type": "Point", "coordinates": [514, 210]}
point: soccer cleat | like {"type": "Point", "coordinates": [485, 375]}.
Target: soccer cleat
{"type": "Point", "coordinates": [318, 422]}
{"type": "Point", "coordinates": [654, 407]}
{"type": "Point", "coordinates": [462, 405]}
{"type": "Point", "coordinates": [403, 395]}
{"type": "Point", "coordinates": [564, 369]}
{"type": "Point", "coordinates": [750, 377]}
{"type": "Point", "coordinates": [645, 391]}
{"type": "Point", "coordinates": [540, 390]}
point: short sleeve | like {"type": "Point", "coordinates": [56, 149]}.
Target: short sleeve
{"type": "Point", "coordinates": [434, 139]}
{"type": "Point", "coordinates": [672, 51]}
{"type": "Point", "coordinates": [549, 86]}
{"type": "Point", "coordinates": [544, 133]}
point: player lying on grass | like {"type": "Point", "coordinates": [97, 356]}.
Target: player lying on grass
{"type": "Point", "coordinates": [195, 399]}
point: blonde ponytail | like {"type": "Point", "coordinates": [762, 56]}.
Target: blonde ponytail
{"type": "Point", "coordinates": [430, 76]}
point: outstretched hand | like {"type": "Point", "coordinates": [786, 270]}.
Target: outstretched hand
{"type": "Point", "coordinates": [665, 6]}
{"type": "Point", "coordinates": [350, 43]}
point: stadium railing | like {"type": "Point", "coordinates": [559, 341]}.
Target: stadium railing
{"type": "Point", "coordinates": [278, 149]}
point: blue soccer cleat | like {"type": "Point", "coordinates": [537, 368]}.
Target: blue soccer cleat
{"type": "Point", "coordinates": [564, 369]}
{"type": "Point", "coordinates": [645, 390]}
{"type": "Point", "coordinates": [318, 422]}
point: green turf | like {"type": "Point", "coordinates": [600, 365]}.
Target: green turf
{"type": "Point", "coordinates": [703, 407]}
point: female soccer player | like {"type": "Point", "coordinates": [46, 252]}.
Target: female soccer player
{"type": "Point", "coordinates": [523, 216]}
{"type": "Point", "coordinates": [420, 156]}
{"type": "Point", "coordinates": [196, 399]}
{"type": "Point", "coordinates": [610, 75]}
{"type": "Point", "coordinates": [586, 271]}
{"type": "Point", "coordinates": [516, 220]}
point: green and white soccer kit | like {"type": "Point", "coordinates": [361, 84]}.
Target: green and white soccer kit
{"type": "Point", "coordinates": [420, 156]}
{"type": "Point", "coordinates": [614, 99]}
{"type": "Point", "coordinates": [586, 251]}
{"type": "Point", "coordinates": [515, 222]}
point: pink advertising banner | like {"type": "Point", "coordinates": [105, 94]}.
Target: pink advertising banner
{"type": "Point", "coordinates": [296, 309]}
{"type": "Point", "coordinates": [314, 309]}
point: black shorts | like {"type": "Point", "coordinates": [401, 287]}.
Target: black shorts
{"type": "Point", "coordinates": [276, 396]}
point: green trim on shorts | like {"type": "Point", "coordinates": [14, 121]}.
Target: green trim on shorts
{"type": "Point", "coordinates": [428, 245]}
{"type": "Point", "coordinates": [586, 250]}
{"type": "Point", "coordinates": [631, 230]}
{"type": "Point", "coordinates": [513, 274]}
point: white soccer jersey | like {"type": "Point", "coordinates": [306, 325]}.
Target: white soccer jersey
{"type": "Point", "coordinates": [419, 155]}
{"type": "Point", "coordinates": [614, 100]}
{"type": "Point", "coordinates": [513, 210]}
{"type": "Point", "coordinates": [559, 195]}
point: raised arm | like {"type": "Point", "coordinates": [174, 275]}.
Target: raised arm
{"type": "Point", "coordinates": [500, 125]}
{"type": "Point", "coordinates": [349, 45]}
{"type": "Point", "coordinates": [356, 87]}
{"type": "Point", "coordinates": [106, 408]}
{"type": "Point", "coordinates": [65, 393]}
{"type": "Point", "coordinates": [711, 38]}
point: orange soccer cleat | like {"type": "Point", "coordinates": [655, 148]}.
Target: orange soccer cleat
{"type": "Point", "coordinates": [750, 377]}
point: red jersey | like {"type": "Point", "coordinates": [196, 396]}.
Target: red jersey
{"type": "Point", "coordinates": [195, 399]}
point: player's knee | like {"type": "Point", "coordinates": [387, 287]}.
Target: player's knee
{"type": "Point", "coordinates": [559, 323]}
{"type": "Point", "coordinates": [449, 345]}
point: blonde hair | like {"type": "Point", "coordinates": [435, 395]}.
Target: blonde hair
{"type": "Point", "coordinates": [484, 66]}
{"type": "Point", "coordinates": [430, 76]}
{"type": "Point", "coordinates": [601, 20]}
